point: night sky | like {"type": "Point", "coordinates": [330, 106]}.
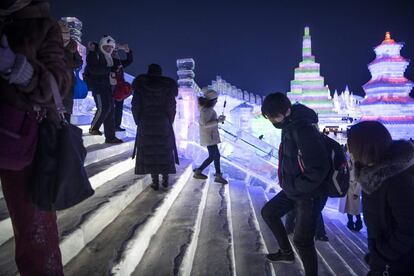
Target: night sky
{"type": "Point", "coordinates": [254, 45]}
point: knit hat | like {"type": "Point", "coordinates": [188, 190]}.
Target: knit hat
{"type": "Point", "coordinates": [209, 94]}
{"type": "Point", "coordinates": [107, 40]}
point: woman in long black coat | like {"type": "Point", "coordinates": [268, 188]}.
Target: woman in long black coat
{"type": "Point", "coordinates": [385, 170]}
{"type": "Point", "coordinates": [153, 108]}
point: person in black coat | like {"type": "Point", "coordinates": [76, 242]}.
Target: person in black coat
{"type": "Point", "coordinates": [99, 62]}
{"type": "Point", "coordinates": [153, 108]}
{"type": "Point", "coordinates": [385, 170]}
{"type": "Point", "coordinates": [304, 165]}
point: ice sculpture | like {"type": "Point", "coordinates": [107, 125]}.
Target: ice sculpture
{"type": "Point", "coordinates": [387, 93]}
{"type": "Point", "coordinates": [308, 86]}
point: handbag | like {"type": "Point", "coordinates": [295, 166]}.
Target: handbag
{"type": "Point", "coordinates": [122, 88]}
{"type": "Point", "coordinates": [59, 178]}
{"type": "Point", "coordinates": [18, 137]}
{"type": "Point", "coordinates": [80, 89]}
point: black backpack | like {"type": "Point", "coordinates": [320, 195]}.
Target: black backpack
{"type": "Point", "coordinates": [337, 181]}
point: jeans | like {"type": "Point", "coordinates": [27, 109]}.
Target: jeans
{"type": "Point", "coordinates": [104, 101]}
{"type": "Point", "coordinates": [307, 212]}
{"type": "Point", "coordinates": [213, 155]}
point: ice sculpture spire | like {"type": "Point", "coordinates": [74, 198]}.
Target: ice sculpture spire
{"type": "Point", "coordinates": [306, 44]}
{"type": "Point", "coordinates": [308, 86]}
{"type": "Point", "coordinates": [387, 93]}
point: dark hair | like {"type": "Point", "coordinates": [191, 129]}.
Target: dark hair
{"type": "Point", "coordinates": [206, 102]}
{"type": "Point", "coordinates": [154, 69]}
{"type": "Point", "coordinates": [368, 141]}
{"type": "Point", "coordinates": [275, 104]}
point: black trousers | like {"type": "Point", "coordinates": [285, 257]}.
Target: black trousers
{"type": "Point", "coordinates": [307, 212]}
{"type": "Point", "coordinates": [213, 155]}
{"type": "Point", "coordinates": [104, 101]}
{"type": "Point", "coordinates": [290, 219]}
{"type": "Point", "coordinates": [119, 106]}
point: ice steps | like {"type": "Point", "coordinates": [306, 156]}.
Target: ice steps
{"type": "Point", "coordinates": [134, 248]}
{"type": "Point", "coordinates": [103, 252]}
{"type": "Point", "coordinates": [170, 248]}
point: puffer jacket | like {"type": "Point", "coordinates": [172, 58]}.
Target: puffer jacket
{"type": "Point", "coordinates": [388, 208]}
{"type": "Point", "coordinates": [209, 134]}
{"type": "Point", "coordinates": [43, 47]}
{"type": "Point", "coordinates": [304, 163]}
{"type": "Point", "coordinates": [153, 107]}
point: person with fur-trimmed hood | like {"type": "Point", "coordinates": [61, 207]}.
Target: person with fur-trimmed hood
{"type": "Point", "coordinates": [385, 170]}
{"type": "Point", "coordinates": [97, 72]}
{"type": "Point", "coordinates": [153, 107]}
{"type": "Point", "coordinates": [31, 53]}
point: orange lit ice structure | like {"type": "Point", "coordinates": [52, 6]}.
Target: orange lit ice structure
{"type": "Point", "coordinates": [387, 93]}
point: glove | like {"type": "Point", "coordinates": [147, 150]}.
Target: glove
{"type": "Point", "coordinates": [7, 56]}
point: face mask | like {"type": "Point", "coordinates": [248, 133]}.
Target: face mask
{"type": "Point", "coordinates": [282, 124]}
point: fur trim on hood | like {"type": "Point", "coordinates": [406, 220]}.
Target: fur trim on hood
{"type": "Point", "coordinates": [398, 159]}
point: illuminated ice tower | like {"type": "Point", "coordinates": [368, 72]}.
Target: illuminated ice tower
{"type": "Point", "coordinates": [387, 93]}
{"type": "Point", "coordinates": [308, 86]}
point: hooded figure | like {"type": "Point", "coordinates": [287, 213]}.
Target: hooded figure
{"type": "Point", "coordinates": [31, 51]}
{"type": "Point", "coordinates": [99, 63]}
{"type": "Point", "coordinates": [388, 208]}
{"type": "Point", "coordinates": [153, 107]}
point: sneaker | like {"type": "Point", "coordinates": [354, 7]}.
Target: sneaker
{"type": "Point", "coordinates": [113, 141]}
{"type": "Point", "coordinates": [219, 179]}
{"type": "Point", "coordinates": [119, 129]}
{"type": "Point", "coordinates": [281, 257]}
{"type": "Point", "coordinates": [164, 183]}
{"type": "Point", "coordinates": [323, 238]}
{"type": "Point", "coordinates": [358, 225]}
{"type": "Point", "coordinates": [198, 175]}
{"type": "Point", "coordinates": [95, 132]}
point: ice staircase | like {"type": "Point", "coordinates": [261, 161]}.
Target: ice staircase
{"type": "Point", "coordinates": [194, 227]}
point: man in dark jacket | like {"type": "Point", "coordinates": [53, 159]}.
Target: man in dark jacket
{"type": "Point", "coordinates": [153, 108]}
{"type": "Point", "coordinates": [304, 166]}
{"type": "Point", "coordinates": [97, 72]}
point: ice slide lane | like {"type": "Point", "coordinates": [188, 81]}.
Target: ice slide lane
{"type": "Point", "coordinates": [249, 245]}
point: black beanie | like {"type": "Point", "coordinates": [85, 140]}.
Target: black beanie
{"type": "Point", "coordinates": [154, 69]}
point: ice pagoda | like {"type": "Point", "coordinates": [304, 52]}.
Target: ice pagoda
{"type": "Point", "coordinates": [308, 86]}
{"type": "Point", "coordinates": [387, 93]}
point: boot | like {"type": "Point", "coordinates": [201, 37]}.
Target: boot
{"type": "Point", "coordinates": [198, 174]}
{"type": "Point", "coordinates": [164, 182]}
{"type": "Point", "coordinates": [219, 179]}
{"type": "Point", "coordinates": [155, 182]}
{"type": "Point", "coordinates": [350, 225]}
{"type": "Point", "coordinates": [358, 225]}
